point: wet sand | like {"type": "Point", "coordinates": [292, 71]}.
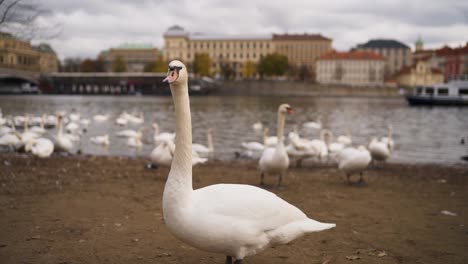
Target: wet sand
{"type": "Point", "coordinates": [108, 210]}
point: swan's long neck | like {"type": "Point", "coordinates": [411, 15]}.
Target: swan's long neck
{"type": "Point", "coordinates": [180, 175]}
{"type": "Point", "coordinates": [60, 128]}
{"type": "Point", "coordinates": [209, 139]}
{"type": "Point", "coordinates": [280, 127]}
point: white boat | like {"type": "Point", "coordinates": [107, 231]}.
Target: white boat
{"type": "Point", "coordinates": [454, 92]}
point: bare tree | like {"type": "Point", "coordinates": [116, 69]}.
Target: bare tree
{"type": "Point", "coordinates": [22, 19]}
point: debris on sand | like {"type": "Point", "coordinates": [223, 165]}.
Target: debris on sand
{"type": "Point", "coordinates": [445, 212]}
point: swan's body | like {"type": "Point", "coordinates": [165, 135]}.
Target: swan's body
{"type": "Point", "coordinates": [162, 154]}
{"type": "Point", "coordinates": [121, 121]}
{"type": "Point", "coordinates": [258, 128]}
{"type": "Point", "coordinates": [253, 146]}
{"type": "Point", "coordinates": [269, 141]}
{"type": "Point", "coordinates": [101, 140]}
{"type": "Point", "coordinates": [162, 136]}
{"type": "Point", "coordinates": [313, 125]}
{"type": "Point", "coordinates": [345, 139]}
{"type": "Point", "coordinates": [12, 141]}
{"type": "Point", "coordinates": [202, 149]}
{"type": "Point", "coordinates": [41, 147]}
{"type": "Point", "coordinates": [379, 150]}
{"type": "Point", "coordinates": [101, 118]}
{"type": "Point", "coordinates": [231, 219]}
{"type": "Point", "coordinates": [135, 141]}
{"type": "Point", "coordinates": [72, 127]}
{"type": "Point", "coordinates": [353, 160]}
{"type": "Point", "coordinates": [127, 133]}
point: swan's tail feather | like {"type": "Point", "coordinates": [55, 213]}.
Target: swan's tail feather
{"type": "Point", "coordinates": [291, 231]}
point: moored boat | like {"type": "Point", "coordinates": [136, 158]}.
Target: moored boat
{"type": "Point", "coordinates": [454, 92]}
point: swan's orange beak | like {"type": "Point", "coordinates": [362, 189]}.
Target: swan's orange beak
{"type": "Point", "coordinates": [290, 111]}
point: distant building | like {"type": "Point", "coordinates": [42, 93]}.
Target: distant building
{"type": "Point", "coordinates": [418, 74]}
{"type": "Point", "coordinates": [397, 54]}
{"type": "Point", "coordinates": [350, 68]}
{"type": "Point", "coordinates": [302, 49]}
{"type": "Point", "coordinates": [135, 56]}
{"type": "Point", "coordinates": [450, 61]}
{"type": "Point", "coordinates": [21, 55]}
{"type": "Point", "coordinates": [237, 51]}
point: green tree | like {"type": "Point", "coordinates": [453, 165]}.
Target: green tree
{"type": "Point", "coordinates": [202, 64]}
{"type": "Point", "coordinates": [249, 69]}
{"type": "Point", "coordinates": [273, 65]}
{"type": "Point", "coordinates": [226, 70]}
{"type": "Point", "coordinates": [119, 65]}
{"type": "Point", "coordinates": [88, 65]}
{"type": "Point", "coordinates": [158, 65]}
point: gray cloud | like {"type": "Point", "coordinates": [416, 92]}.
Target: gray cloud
{"type": "Point", "coordinates": [91, 26]}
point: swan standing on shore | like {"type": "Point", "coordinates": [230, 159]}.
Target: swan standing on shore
{"type": "Point", "coordinates": [231, 219]}
{"type": "Point", "coordinates": [40, 147]}
{"type": "Point", "coordinates": [353, 160]}
{"type": "Point", "coordinates": [64, 142]}
{"type": "Point", "coordinates": [275, 160]}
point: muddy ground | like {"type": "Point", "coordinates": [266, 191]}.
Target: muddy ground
{"type": "Point", "coordinates": [83, 209]}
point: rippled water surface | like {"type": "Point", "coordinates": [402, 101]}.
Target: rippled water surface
{"type": "Point", "coordinates": [421, 134]}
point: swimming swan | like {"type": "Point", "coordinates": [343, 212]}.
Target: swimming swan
{"type": "Point", "coordinates": [232, 219]}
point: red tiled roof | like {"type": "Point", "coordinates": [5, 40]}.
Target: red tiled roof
{"type": "Point", "coordinates": [352, 55]}
{"type": "Point", "coordinates": [304, 36]}
{"type": "Point", "coordinates": [447, 51]}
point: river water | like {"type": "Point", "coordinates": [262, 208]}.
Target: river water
{"type": "Point", "coordinates": [421, 134]}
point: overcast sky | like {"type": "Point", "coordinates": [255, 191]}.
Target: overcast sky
{"type": "Point", "coordinates": [89, 26]}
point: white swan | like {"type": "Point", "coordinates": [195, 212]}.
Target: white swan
{"type": "Point", "coordinates": [40, 130]}
{"type": "Point", "coordinates": [163, 153]}
{"type": "Point", "coordinates": [275, 160]}
{"type": "Point", "coordinates": [41, 147]}
{"type": "Point", "coordinates": [101, 118]}
{"type": "Point", "coordinates": [345, 139]}
{"type": "Point", "coordinates": [231, 219]}
{"type": "Point", "coordinates": [100, 140]}
{"type": "Point", "coordinates": [202, 149]}
{"type": "Point", "coordinates": [162, 136]}
{"type": "Point", "coordinates": [253, 146]}
{"type": "Point", "coordinates": [389, 138]}
{"type": "Point", "coordinates": [63, 141]}
{"type": "Point", "coordinates": [258, 128]}
{"type": "Point", "coordinates": [135, 141]}
{"type": "Point", "coordinates": [12, 140]}
{"type": "Point", "coordinates": [267, 140]}
{"type": "Point", "coordinates": [128, 133]}
{"type": "Point", "coordinates": [136, 119]}
{"type": "Point", "coordinates": [353, 160]}
{"type": "Point", "coordinates": [379, 150]}
{"type": "Point", "coordinates": [320, 145]}
{"type": "Point", "coordinates": [121, 121]}
{"type": "Point", "coordinates": [314, 125]}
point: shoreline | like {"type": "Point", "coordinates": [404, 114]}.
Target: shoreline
{"type": "Point", "coordinates": [101, 209]}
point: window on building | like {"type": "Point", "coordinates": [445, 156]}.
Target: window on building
{"type": "Point", "coordinates": [214, 45]}
{"type": "Point", "coordinates": [194, 45]}
{"type": "Point", "coordinates": [208, 45]}
{"type": "Point", "coordinates": [241, 45]}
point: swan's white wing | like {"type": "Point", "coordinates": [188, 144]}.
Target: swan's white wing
{"type": "Point", "coordinates": [248, 203]}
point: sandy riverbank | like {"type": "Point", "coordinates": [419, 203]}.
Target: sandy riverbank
{"type": "Point", "coordinates": [108, 210]}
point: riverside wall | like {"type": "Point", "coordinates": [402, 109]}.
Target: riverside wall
{"type": "Point", "coordinates": [289, 88]}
